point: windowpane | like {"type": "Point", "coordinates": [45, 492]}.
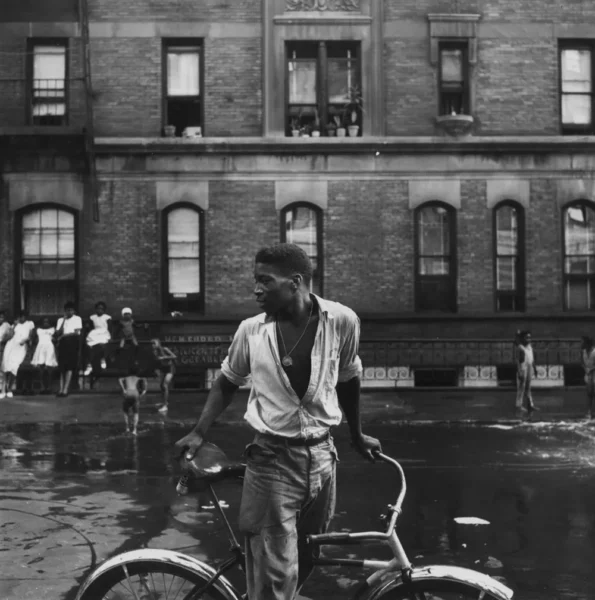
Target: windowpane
{"type": "Point", "coordinates": [49, 62]}
{"type": "Point", "coordinates": [576, 70]}
{"type": "Point", "coordinates": [580, 265]}
{"type": "Point", "coordinates": [506, 231]}
{"type": "Point", "coordinates": [302, 80]}
{"type": "Point", "coordinates": [66, 244]}
{"type": "Point", "coordinates": [434, 234]}
{"type": "Point", "coordinates": [434, 266]}
{"type": "Point", "coordinates": [183, 72]}
{"type": "Point", "coordinates": [342, 75]}
{"type": "Point", "coordinates": [576, 109]}
{"type": "Point", "coordinates": [579, 235]}
{"type": "Point", "coordinates": [506, 273]}
{"type": "Point", "coordinates": [452, 65]}
{"type": "Point", "coordinates": [578, 295]}
{"type": "Point", "coordinates": [300, 229]}
{"type": "Point", "coordinates": [183, 243]}
{"type": "Point", "coordinates": [184, 276]}
{"type": "Point", "coordinates": [48, 218]}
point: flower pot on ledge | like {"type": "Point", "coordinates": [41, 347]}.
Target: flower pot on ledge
{"type": "Point", "coordinates": [455, 125]}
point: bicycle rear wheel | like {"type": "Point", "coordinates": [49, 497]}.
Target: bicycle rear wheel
{"type": "Point", "coordinates": [436, 590]}
{"type": "Point", "coordinates": [146, 579]}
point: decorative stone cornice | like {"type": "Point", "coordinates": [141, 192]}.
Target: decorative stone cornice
{"type": "Point", "coordinates": [322, 5]}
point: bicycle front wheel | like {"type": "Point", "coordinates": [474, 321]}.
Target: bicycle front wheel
{"type": "Point", "coordinates": [436, 590]}
{"type": "Point", "coordinates": [150, 579]}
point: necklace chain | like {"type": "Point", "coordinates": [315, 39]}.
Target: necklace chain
{"type": "Point", "coordinates": [287, 360]}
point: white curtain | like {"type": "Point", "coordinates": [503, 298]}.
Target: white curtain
{"type": "Point", "coordinates": [183, 72]}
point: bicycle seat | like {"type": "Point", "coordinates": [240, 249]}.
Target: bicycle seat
{"type": "Point", "coordinates": [210, 464]}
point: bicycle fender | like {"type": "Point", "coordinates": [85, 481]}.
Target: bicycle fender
{"type": "Point", "coordinates": [475, 579]}
{"type": "Point", "coordinates": [164, 556]}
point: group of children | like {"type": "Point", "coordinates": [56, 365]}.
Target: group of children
{"type": "Point", "coordinates": [50, 353]}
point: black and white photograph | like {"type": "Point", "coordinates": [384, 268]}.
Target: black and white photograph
{"type": "Point", "coordinates": [297, 299]}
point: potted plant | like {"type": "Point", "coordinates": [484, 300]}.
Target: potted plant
{"type": "Point", "coordinates": [352, 109]}
{"type": "Point", "coordinates": [316, 124]}
{"type": "Point", "coordinates": [295, 127]}
{"type": "Point", "coordinates": [305, 131]}
{"type": "Point", "coordinates": [331, 129]}
{"type": "Point", "coordinates": [169, 131]}
{"type": "Point", "coordinates": [341, 131]}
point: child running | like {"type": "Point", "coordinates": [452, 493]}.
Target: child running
{"type": "Point", "coordinates": [132, 396]}
{"type": "Point", "coordinates": [166, 369]}
{"type": "Point", "coordinates": [44, 356]}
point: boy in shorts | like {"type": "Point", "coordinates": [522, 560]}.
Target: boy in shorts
{"type": "Point", "coordinates": [133, 387]}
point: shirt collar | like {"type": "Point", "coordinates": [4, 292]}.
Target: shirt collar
{"type": "Point", "coordinates": [323, 306]}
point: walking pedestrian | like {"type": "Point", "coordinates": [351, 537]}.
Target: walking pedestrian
{"type": "Point", "coordinates": [302, 356]}
{"type": "Point", "coordinates": [5, 334]}
{"type": "Point", "coordinates": [15, 351]}
{"type": "Point", "coordinates": [68, 336]}
{"type": "Point", "coordinates": [526, 370]}
{"type": "Point", "coordinates": [44, 357]}
{"type": "Point", "coordinates": [132, 390]}
{"type": "Point", "coordinates": [588, 359]}
{"type": "Point", "coordinates": [166, 370]}
{"type": "Point", "coordinates": [96, 341]}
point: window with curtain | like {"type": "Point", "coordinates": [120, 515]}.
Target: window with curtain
{"type": "Point", "coordinates": [302, 225]}
{"type": "Point", "coordinates": [48, 85]}
{"type": "Point", "coordinates": [323, 86]}
{"type": "Point", "coordinates": [183, 86]}
{"type": "Point", "coordinates": [579, 256]}
{"type": "Point", "coordinates": [435, 258]}
{"type": "Point", "coordinates": [576, 87]}
{"type": "Point", "coordinates": [184, 260]}
{"type": "Point", "coordinates": [454, 78]}
{"type": "Point", "coordinates": [509, 257]}
{"type": "Point", "coordinates": [47, 274]}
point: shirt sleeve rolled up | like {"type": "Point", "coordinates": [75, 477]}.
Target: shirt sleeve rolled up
{"type": "Point", "coordinates": [236, 365]}
{"type": "Point", "coordinates": [350, 364]}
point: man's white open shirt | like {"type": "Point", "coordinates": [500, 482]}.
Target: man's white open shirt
{"type": "Point", "coordinates": [273, 405]}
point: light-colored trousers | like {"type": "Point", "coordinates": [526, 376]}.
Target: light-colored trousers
{"type": "Point", "coordinates": [523, 386]}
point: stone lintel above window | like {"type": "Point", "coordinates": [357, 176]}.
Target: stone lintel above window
{"type": "Point", "coordinates": [453, 26]}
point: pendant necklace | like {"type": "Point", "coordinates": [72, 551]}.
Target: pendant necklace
{"type": "Point", "coordinates": [287, 361]}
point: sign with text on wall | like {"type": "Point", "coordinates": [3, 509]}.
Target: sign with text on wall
{"type": "Point", "coordinates": [198, 350]}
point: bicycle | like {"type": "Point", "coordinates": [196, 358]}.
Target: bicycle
{"type": "Point", "coordinates": [151, 574]}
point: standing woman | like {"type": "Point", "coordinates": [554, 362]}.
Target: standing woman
{"type": "Point", "coordinates": [526, 370]}
{"type": "Point", "coordinates": [16, 350]}
{"type": "Point", "coordinates": [68, 336]}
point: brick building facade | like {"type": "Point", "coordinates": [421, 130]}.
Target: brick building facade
{"type": "Point", "coordinates": [462, 209]}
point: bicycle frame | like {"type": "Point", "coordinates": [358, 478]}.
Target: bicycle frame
{"type": "Point", "coordinates": [386, 576]}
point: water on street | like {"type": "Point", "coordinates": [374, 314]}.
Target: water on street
{"type": "Point", "coordinates": [72, 496]}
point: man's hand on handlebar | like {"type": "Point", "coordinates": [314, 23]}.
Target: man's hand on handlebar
{"type": "Point", "coordinates": [190, 444]}
{"type": "Point", "coordinates": [367, 446]}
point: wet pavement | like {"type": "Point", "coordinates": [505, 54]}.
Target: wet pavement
{"type": "Point", "coordinates": [73, 494]}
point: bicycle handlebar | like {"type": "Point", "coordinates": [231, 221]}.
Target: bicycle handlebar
{"type": "Point", "coordinates": [343, 537]}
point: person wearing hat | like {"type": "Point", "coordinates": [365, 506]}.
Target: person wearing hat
{"type": "Point", "coordinates": [127, 324]}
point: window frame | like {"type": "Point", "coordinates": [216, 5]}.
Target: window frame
{"type": "Point", "coordinates": [582, 202]}
{"type": "Point", "coordinates": [319, 235]}
{"type": "Point", "coordinates": [452, 303]}
{"type": "Point", "coordinates": [458, 44]}
{"type": "Point", "coordinates": [578, 44]}
{"type": "Point", "coordinates": [166, 44]}
{"type": "Point", "coordinates": [19, 298]}
{"type": "Point", "coordinates": [32, 42]}
{"type": "Point", "coordinates": [322, 95]}
{"type": "Point", "coordinates": [520, 266]}
{"type": "Point", "coordinates": [166, 301]}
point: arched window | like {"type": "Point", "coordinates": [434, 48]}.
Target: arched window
{"type": "Point", "coordinates": [184, 259]}
{"type": "Point", "coordinates": [579, 256]}
{"type": "Point", "coordinates": [509, 254]}
{"type": "Point", "coordinates": [435, 258]}
{"type": "Point", "coordinates": [301, 224]}
{"type": "Point", "coordinates": [47, 252]}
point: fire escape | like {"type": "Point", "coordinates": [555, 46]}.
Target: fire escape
{"type": "Point", "coordinates": [46, 111]}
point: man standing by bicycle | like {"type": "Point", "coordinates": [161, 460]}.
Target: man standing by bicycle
{"type": "Point", "coordinates": [301, 354]}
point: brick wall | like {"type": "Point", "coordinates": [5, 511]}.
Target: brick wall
{"type": "Point", "coordinates": [120, 257]}
{"type": "Point", "coordinates": [516, 84]}
{"type": "Point", "coordinates": [368, 245]}
{"type": "Point", "coordinates": [127, 80]}
{"type": "Point", "coordinates": [6, 252]}
{"type": "Point", "coordinates": [240, 220]}
{"type": "Point", "coordinates": [176, 10]}
{"type": "Point", "coordinates": [12, 93]}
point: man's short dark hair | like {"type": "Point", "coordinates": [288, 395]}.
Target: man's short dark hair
{"type": "Point", "coordinates": [290, 258]}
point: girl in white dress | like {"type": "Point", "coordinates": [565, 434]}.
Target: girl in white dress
{"type": "Point", "coordinates": [15, 351]}
{"type": "Point", "coordinates": [97, 339]}
{"type": "Point", "coordinates": [44, 356]}
{"type": "Point", "coordinates": [5, 335]}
